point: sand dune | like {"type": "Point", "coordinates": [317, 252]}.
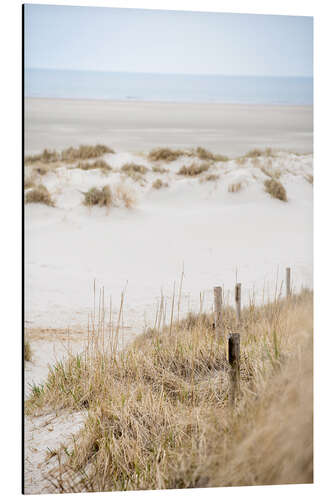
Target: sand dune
{"type": "Point", "coordinates": [217, 226]}
{"type": "Point", "coordinates": [193, 222]}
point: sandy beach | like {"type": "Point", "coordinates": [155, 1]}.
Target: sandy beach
{"type": "Point", "coordinates": [217, 224]}
{"type": "Point", "coordinates": [168, 249]}
{"type": "Point", "coordinates": [230, 129]}
{"type": "Point", "coordinates": [199, 225]}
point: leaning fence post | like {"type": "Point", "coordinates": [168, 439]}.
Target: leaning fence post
{"type": "Point", "coordinates": [218, 311]}
{"type": "Point", "coordinates": [234, 361]}
{"type": "Point", "coordinates": [238, 302]}
{"type": "Point", "coordinates": [288, 289]}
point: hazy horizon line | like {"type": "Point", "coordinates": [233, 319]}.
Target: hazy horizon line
{"type": "Point", "coordinates": [169, 73]}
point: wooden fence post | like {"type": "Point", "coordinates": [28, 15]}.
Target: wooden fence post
{"type": "Point", "coordinates": [218, 311]}
{"type": "Point", "coordinates": [288, 289]}
{"type": "Point", "coordinates": [238, 302]}
{"type": "Point", "coordinates": [234, 361]}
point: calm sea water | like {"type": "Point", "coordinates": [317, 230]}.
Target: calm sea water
{"type": "Point", "coordinates": [157, 87]}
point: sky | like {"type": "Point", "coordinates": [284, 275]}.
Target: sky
{"type": "Point", "coordinates": [155, 41]}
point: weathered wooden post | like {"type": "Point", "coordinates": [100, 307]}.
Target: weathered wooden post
{"type": "Point", "coordinates": [218, 311]}
{"type": "Point", "coordinates": [238, 302]}
{"type": "Point", "coordinates": [234, 361]}
{"type": "Point", "coordinates": [288, 289]}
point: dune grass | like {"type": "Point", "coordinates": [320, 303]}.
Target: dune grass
{"type": "Point", "coordinates": [70, 154]}
{"type": "Point", "coordinates": [134, 168]}
{"type": "Point", "coordinates": [157, 169]}
{"type": "Point", "coordinates": [158, 184]}
{"type": "Point", "coordinates": [256, 153]}
{"type": "Point", "coordinates": [39, 194]}
{"type": "Point", "coordinates": [204, 154]}
{"type": "Point", "coordinates": [235, 187]}
{"type": "Point", "coordinates": [98, 196]}
{"type": "Point", "coordinates": [47, 156]}
{"type": "Point", "coordinates": [159, 413]}
{"type": "Point", "coordinates": [135, 172]}
{"type": "Point", "coordinates": [27, 351]}
{"type": "Point", "coordinates": [210, 178]}
{"type": "Point", "coordinates": [193, 170]}
{"type": "Point", "coordinates": [166, 154]}
{"type": "Point", "coordinates": [169, 155]}
{"type": "Point", "coordinates": [117, 196]}
{"type": "Point", "coordinates": [98, 164]}
{"type": "Point", "coordinates": [275, 189]}
{"type": "Point", "coordinates": [41, 170]}
{"type": "Point", "coordinates": [84, 152]}
{"type": "Point", "coordinates": [29, 182]}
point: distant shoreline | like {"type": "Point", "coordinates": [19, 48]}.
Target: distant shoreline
{"type": "Point", "coordinates": [180, 88]}
{"type": "Point", "coordinates": [143, 101]}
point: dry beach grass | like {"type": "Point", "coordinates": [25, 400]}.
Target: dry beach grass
{"type": "Point", "coordinates": [276, 167]}
{"type": "Point", "coordinates": [235, 187]}
{"type": "Point", "coordinates": [158, 184]}
{"type": "Point", "coordinates": [83, 152]}
{"type": "Point", "coordinates": [116, 195]}
{"type": "Point", "coordinates": [159, 413]}
{"type": "Point", "coordinates": [39, 194]}
{"type": "Point", "coordinates": [193, 169]}
{"type": "Point", "coordinates": [98, 164]}
{"type": "Point", "coordinates": [275, 189]}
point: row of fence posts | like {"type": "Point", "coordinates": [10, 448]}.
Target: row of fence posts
{"type": "Point", "coordinates": [234, 338]}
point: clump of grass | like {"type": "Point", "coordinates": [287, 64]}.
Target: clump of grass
{"type": "Point", "coordinates": [46, 156]}
{"type": "Point", "coordinates": [256, 153]}
{"type": "Point", "coordinates": [119, 195]}
{"type": "Point", "coordinates": [133, 168]}
{"type": "Point", "coordinates": [98, 164]}
{"type": "Point", "coordinates": [204, 154]}
{"type": "Point", "coordinates": [210, 178]}
{"type": "Point", "coordinates": [70, 154]}
{"type": "Point", "coordinates": [39, 194]}
{"type": "Point", "coordinates": [29, 182]}
{"type": "Point", "coordinates": [159, 414]}
{"type": "Point", "coordinates": [275, 189]}
{"type": "Point", "coordinates": [235, 187]}
{"type": "Point", "coordinates": [158, 184]}
{"type": "Point", "coordinates": [27, 351]}
{"type": "Point", "coordinates": [101, 197]}
{"type": "Point", "coordinates": [193, 170]}
{"type": "Point", "coordinates": [41, 170]}
{"type": "Point", "coordinates": [85, 152]}
{"type": "Point", "coordinates": [166, 154]}
{"type": "Point", "coordinates": [271, 442]}
{"type": "Point", "coordinates": [159, 170]}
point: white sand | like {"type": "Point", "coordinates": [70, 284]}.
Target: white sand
{"type": "Point", "coordinates": [198, 225]}
{"type": "Point", "coordinates": [44, 434]}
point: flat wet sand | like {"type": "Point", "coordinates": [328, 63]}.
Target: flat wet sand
{"type": "Point", "coordinates": [231, 129]}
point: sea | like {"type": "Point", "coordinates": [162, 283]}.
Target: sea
{"type": "Point", "coordinates": [65, 84]}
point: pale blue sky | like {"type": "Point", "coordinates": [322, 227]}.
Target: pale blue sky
{"type": "Point", "coordinates": [109, 39]}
